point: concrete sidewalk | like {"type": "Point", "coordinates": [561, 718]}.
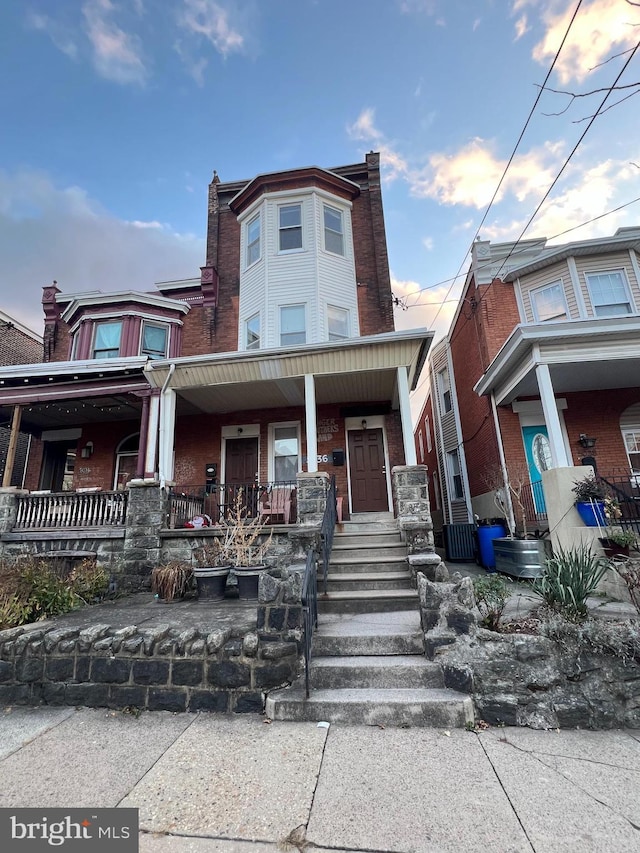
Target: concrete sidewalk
{"type": "Point", "coordinates": [237, 784]}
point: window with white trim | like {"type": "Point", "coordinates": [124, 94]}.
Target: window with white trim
{"type": "Point", "coordinates": [286, 453]}
{"type": "Point", "coordinates": [290, 227]}
{"type": "Point", "coordinates": [427, 429]}
{"type": "Point", "coordinates": [338, 323]}
{"type": "Point", "coordinates": [154, 340]}
{"type": "Point", "coordinates": [106, 341]}
{"type": "Point", "coordinates": [252, 332]}
{"type": "Point", "coordinates": [549, 303]}
{"type": "Point", "coordinates": [333, 230]}
{"type": "Point", "coordinates": [632, 444]}
{"type": "Point", "coordinates": [455, 475]}
{"type": "Point", "coordinates": [292, 325]}
{"type": "Point", "coordinates": [610, 295]}
{"type": "Point", "coordinates": [421, 444]}
{"type": "Point", "coordinates": [444, 387]}
{"type": "Point", "coordinates": [253, 240]}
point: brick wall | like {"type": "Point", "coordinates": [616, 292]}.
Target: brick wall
{"type": "Point", "coordinates": [16, 347]}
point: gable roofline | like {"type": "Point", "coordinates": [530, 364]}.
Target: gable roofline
{"type": "Point", "coordinates": [291, 178]}
{"type": "Point", "coordinates": [11, 321]}
{"type": "Point", "coordinates": [76, 301]}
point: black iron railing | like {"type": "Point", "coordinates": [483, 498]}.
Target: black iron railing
{"type": "Point", "coordinates": [625, 489]}
{"type": "Point", "coordinates": [309, 610]}
{"type": "Point", "coordinates": [275, 502]}
{"type": "Point", "coordinates": [327, 530]}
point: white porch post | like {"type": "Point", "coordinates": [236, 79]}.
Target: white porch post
{"type": "Point", "coordinates": [410, 457]}
{"type": "Point", "coordinates": [13, 444]}
{"type": "Point", "coordinates": [310, 416]}
{"type": "Point", "coordinates": [167, 433]}
{"type": "Point", "coordinates": [152, 436]}
{"type": "Point", "coordinates": [551, 417]}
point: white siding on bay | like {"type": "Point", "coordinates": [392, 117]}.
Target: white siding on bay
{"type": "Point", "coordinates": [336, 273]}
{"type": "Point", "coordinates": [604, 263]}
{"type": "Point", "coordinates": [549, 275]}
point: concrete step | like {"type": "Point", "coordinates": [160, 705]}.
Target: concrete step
{"type": "Point", "coordinates": [368, 601]}
{"type": "Point", "coordinates": [368, 646]}
{"type": "Point", "coordinates": [397, 550]}
{"type": "Point", "coordinates": [338, 581]}
{"type": "Point", "coordinates": [364, 540]}
{"type": "Point", "coordinates": [379, 671]}
{"type": "Point", "coordinates": [426, 707]}
{"type": "Point", "coordinates": [393, 633]}
{"type": "Point", "coordinates": [356, 564]}
{"type": "Point", "coordinates": [385, 523]}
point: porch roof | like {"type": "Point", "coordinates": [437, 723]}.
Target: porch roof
{"type": "Point", "coordinates": [582, 355]}
{"type": "Point", "coordinates": [354, 370]}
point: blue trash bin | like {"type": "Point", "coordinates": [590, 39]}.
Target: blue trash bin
{"type": "Point", "coordinates": [486, 534]}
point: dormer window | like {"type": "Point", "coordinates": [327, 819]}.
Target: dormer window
{"type": "Point", "coordinates": [333, 230]}
{"type": "Point", "coordinates": [290, 227]}
{"type": "Point", "coordinates": [107, 339]}
{"type": "Point", "coordinates": [253, 240]}
{"type": "Point", "coordinates": [154, 340]}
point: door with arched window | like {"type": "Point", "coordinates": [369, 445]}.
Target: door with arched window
{"type": "Point", "coordinates": [126, 461]}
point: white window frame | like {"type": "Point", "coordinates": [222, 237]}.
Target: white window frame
{"type": "Point", "coordinates": [271, 461]}
{"type": "Point", "coordinates": [325, 228]}
{"type": "Point", "coordinates": [283, 228]}
{"type": "Point", "coordinates": [96, 326]}
{"type": "Point", "coordinates": [164, 326]}
{"type": "Point", "coordinates": [421, 445]}
{"type": "Point", "coordinates": [282, 308]}
{"type": "Point", "coordinates": [257, 344]}
{"type": "Point", "coordinates": [634, 434]}
{"type": "Point", "coordinates": [625, 283]}
{"type": "Point", "coordinates": [455, 476]}
{"type": "Point", "coordinates": [427, 429]}
{"type": "Point", "coordinates": [347, 319]}
{"type": "Point", "coordinates": [539, 290]}
{"type": "Point", "coordinates": [256, 242]}
{"type": "Point", "coordinates": [444, 389]}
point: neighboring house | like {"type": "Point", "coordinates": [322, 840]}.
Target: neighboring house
{"type": "Point", "coordinates": [540, 369]}
{"type": "Point", "coordinates": [18, 345]}
{"type": "Point", "coordinates": [281, 357]}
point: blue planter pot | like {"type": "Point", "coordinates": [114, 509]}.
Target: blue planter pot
{"type": "Point", "coordinates": [592, 514]}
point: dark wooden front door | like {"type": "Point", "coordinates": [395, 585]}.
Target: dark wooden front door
{"type": "Point", "coordinates": [241, 471]}
{"type": "Point", "coordinates": [366, 466]}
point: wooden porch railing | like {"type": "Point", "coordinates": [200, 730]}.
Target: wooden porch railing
{"type": "Point", "coordinates": [71, 509]}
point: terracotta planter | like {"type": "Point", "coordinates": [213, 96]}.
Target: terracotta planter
{"type": "Point", "coordinates": [248, 579]}
{"type": "Point", "coordinates": [211, 582]}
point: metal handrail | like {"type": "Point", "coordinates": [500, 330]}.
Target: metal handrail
{"type": "Point", "coordinates": [327, 530]}
{"type": "Point", "coordinates": [309, 610]}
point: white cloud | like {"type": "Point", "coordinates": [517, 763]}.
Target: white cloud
{"type": "Point", "coordinates": [116, 54]}
{"type": "Point", "coordinates": [521, 26]}
{"type": "Point", "coordinates": [392, 163]}
{"type": "Point", "coordinates": [413, 7]}
{"type": "Point", "coordinates": [210, 20]}
{"type": "Point", "coordinates": [601, 28]}
{"type": "Point", "coordinates": [60, 35]}
{"type": "Point", "coordinates": [48, 232]}
{"type": "Point", "coordinates": [427, 242]}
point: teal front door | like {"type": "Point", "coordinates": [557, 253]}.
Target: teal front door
{"type": "Point", "coordinates": [538, 452]}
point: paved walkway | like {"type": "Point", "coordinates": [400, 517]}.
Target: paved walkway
{"type": "Point", "coordinates": [224, 784]}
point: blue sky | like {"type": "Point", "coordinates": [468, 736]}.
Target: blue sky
{"type": "Point", "coordinates": [116, 112]}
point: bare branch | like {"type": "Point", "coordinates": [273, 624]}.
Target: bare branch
{"type": "Point", "coordinates": [615, 56]}
{"type": "Point", "coordinates": [610, 107]}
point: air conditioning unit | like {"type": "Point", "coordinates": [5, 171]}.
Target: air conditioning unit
{"type": "Point", "coordinates": [460, 542]}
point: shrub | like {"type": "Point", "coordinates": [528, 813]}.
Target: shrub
{"type": "Point", "coordinates": [569, 578]}
{"type": "Point", "coordinates": [46, 593]}
{"type": "Point", "coordinates": [171, 580]}
{"type": "Point", "coordinates": [629, 571]}
{"type": "Point", "coordinates": [491, 596]}
{"type": "Point", "coordinates": [89, 581]}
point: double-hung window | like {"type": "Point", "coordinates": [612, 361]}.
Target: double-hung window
{"type": "Point", "coordinates": [610, 294]}
{"type": "Point", "coordinates": [632, 444]}
{"type": "Point", "coordinates": [548, 303]}
{"type": "Point", "coordinates": [292, 325]}
{"type": "Point", "coordinates": [338, 323]}
{"type": "Point", "coordinates": [253, 240]}
{"type": "Point", "coordinates": [455, 475]}
{"type": "Point", "coordinates": [290, 227]}
{"type": "Point", "coordinates": [106, 342]}
{"type": "Point", "coordinates": [444, 386]}
{"type": "Point", "coordinates": [154, 340]}
{"type": "Point", "coordinates": [333, 230]}
{"type": "Point", "coordinates": [252, 332]}
{"type": "Point", "coordinates": [285, 453]}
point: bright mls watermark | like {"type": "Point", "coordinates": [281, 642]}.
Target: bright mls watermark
{"type": "Point", "coordinates": [70, 830]}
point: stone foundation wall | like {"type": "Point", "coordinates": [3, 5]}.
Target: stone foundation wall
{"type": "Point", "coordinates": [524, 679]}
{"type": "Point", "coordinates": [161, 668]}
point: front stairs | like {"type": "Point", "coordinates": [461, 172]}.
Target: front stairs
{"type": "Point", "coordinates": [368, 664]}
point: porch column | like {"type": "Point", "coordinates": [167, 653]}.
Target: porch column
{"type": "Point", "coordinates": [167, 433]}
{"type": "Point", "coordinates": [310, 416]}
{"type": "Point", "coordinates": [410, 457]}
{"type": "Point", "coordinates": [13, 444]}
{"type": "Point", "coordinates": [552, 420]}
{"type": "Point", "coordinates": [152, 435]}
{"type": "Point", "coordinates": [142, 445]}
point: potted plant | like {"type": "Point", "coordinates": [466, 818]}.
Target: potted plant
{"type": "Point", "coordinates": [246, 549]}
{"type": "Point", "coordinates": [618, 541]}
{"type": "Point", "coordinates": [171, 580]}
{"type": "Point", "coordinates": [590, 501]}
{"type": "Point", "coordinates": [212, 564]}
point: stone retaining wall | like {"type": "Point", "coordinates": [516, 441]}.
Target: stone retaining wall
{"type": "Point", "coordinates": [524, 679]}
{"type": "Point", "coordinates": [161, 668]}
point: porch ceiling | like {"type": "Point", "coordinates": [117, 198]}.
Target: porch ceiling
{"type": "Point", "coordinates": [42, 416]}
{"type": "Point", "coordinates": [584, 355]}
